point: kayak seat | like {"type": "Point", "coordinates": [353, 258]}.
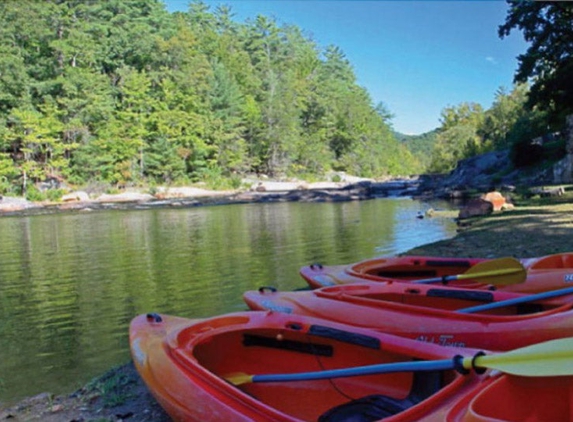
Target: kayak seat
{"type": "Point", "coordinates": [377, 406]}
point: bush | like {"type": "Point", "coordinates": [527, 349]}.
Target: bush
{"type": "Point", "coordinates": [34, 194]}
{"type": "Point", "coordinates": [55, 195]}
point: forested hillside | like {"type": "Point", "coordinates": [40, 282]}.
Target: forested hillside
{"type": "Point", "coordinates": [122, 92]}
{"type": "Point", "coordinates": [421, 146]}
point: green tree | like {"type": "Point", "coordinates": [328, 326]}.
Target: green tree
{"type": "Point", "coordinates": [120, 144]}
{"type": "Point", "coordinates": [457, 136]}
{"type": "Point", "coordinates": [548, 61]}
{"type": "Point", "coordinates": [14, 81]}
{"type": "Point", "coordinates": [226, 121]}
{"type": "Point", "coordinates": [277, 96]}
{"type": "Point", "coordinates": [34, 137]}
{"type": "Point", "coordinates": [501, 117]}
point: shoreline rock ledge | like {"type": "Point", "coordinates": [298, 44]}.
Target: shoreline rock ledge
{"type": "Point", "coordinates": [259, 192]}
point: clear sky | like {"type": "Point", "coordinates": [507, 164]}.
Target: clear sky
{"type": "Point", "coordinates": [417, 57]}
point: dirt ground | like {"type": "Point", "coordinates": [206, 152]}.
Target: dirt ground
{"type": "Point", "coordinates": [534, 229]}
{"type": "Point", "coordinates": [117, 395]}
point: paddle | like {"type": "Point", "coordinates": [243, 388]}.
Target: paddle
{"type": "Point", "coordinates": [499, 272]}
{"type": "Point", "coordinates": [550, 358]}
{"type": "Point", "coordinates": [517, 300]}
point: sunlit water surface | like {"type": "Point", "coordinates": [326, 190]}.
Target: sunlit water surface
{"type": "Point", "coordinates": [70, 283]}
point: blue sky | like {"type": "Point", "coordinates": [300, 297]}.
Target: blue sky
{"type": "Point", "coordinates": [417, 57]}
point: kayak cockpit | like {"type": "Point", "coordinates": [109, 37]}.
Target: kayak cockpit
{"type": "Point", "coordinates": [264, 351]}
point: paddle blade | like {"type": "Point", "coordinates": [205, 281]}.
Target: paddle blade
{"type": "Point", "coordinates": [499, 272]}
{"type": "Point", "coordinates": [238, 378]}
{"type": "Point", "coordinates": [550, 358]}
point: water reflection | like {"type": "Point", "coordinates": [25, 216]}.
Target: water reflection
{"type": "Point", "coordinates": [70, 283]}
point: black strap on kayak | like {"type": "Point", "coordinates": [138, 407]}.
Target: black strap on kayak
{"type": "Point", "coordinates": [345, 336]}
{"type": "Point", "coordinates": [474, 295]}
{"type": "Point", "coordinates": [405, 274]}
{"type": "Point", "coordinates": [291, 345]}
{"type": "Point", "coordinates": [462, 264]}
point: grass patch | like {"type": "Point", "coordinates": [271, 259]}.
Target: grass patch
{"type": "Point", "coordinates": [111, 388]}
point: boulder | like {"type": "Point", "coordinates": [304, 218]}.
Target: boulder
{"type": "Point", "coordinates": [79, 196]}
{"type": "Point", "coordinates": [125, 197]}
{"type": "Point", "coordinates": [547, 191]}
{"type": "Point", "coordinates": [476, 207]}
{"type": "Point", "coordinates": [496, 198]}
{"type": "Point", "coordinates": [12, 204]}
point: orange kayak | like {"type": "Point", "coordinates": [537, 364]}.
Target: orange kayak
{"type": "Point", "coordinates": [190, 366]}
{"type": "Point", "coordinates": [434, 314]}
{"type": "Point", "coordinates": [542, 273]}
{"type": "Point", "coordinates": [383, 269]}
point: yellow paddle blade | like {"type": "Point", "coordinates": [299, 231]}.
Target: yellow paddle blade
{"type": "Point", "coordinates": [550, 358]}
{"type": "Point", "coordinates": [500, 272]}
{"type": "Point", "coordinates": [238, 378]}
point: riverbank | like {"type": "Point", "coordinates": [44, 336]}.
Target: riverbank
{"type": "Point", "coordinates": [536, 228]}
{"type": "Point", "coordinates": [253, 191]}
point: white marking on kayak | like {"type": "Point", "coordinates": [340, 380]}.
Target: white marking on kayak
{"type": "Point", "coordinates": [138, 354]}
{"type": "Point", "coordinates": [442, 340]}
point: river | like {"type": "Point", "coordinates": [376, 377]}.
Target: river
{"type": "Point", "coordinates": [70, 283]}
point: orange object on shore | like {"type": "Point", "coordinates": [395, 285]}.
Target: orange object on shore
{"type": "Point", "coordinates": [429, 313]}
{"type": "Point", "coordinates": [544, 273]}
{"type": "Point", "coordinates": [188, 365]}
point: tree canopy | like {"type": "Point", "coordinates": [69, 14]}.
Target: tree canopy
{"type": "Point", "coordinates": [548, 61]}
{"type": "Point", "coordinates": [123, 92]}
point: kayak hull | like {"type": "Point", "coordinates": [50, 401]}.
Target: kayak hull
{"type": "Point", "coordinates": [428, 313]}
{"type": "Point", "coordinates": [185, 364]}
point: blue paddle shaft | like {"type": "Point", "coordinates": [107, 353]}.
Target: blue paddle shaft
{"type": "Point", "coordinates": [443, 279]}
{"type": "Point", "coordinates": [384, 368]}
{"type": "Point", "coordinates": [517, 300]}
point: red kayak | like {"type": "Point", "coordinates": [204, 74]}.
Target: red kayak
{"type": "Point", "coordinates": [541, 274]}
{"type": "Point", "coordinates": [383, 269]}
{"type": "Point", "coordinates": [495, 320]}
{"type": "Point", "coordinates": [332, 370]}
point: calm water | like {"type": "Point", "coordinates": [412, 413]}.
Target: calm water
{"type": "Point", "coordinates": [71, 283]}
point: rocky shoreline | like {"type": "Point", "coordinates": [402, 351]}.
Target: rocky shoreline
{"type": "Point", "coordinates": [259, 192]}
{"type": "Point", "coordinates": [472, 177]}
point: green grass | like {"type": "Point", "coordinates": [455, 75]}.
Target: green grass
{"type": "Point", "coordinates": [111, 388]}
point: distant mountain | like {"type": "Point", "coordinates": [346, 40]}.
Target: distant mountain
{"type": "Point", "coordinates": [421, 146]}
